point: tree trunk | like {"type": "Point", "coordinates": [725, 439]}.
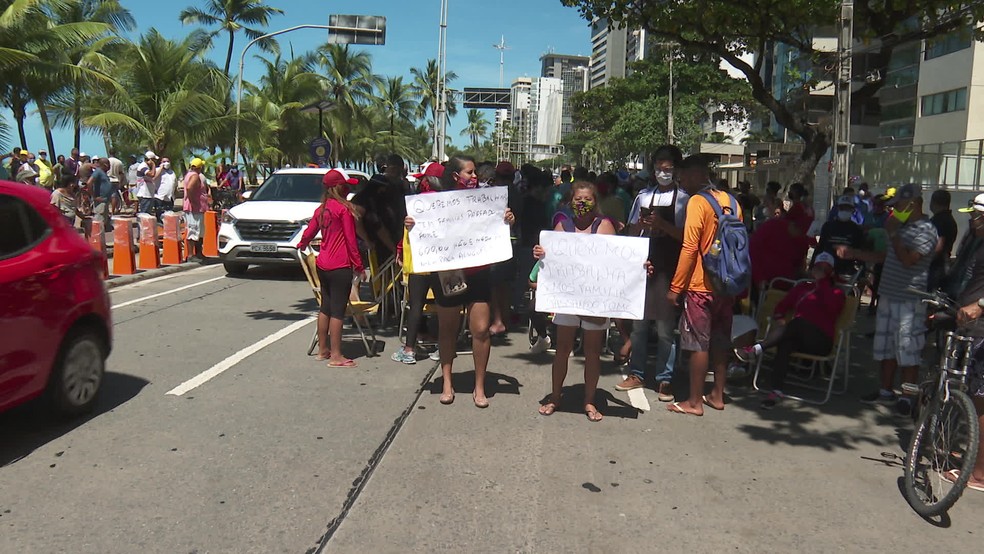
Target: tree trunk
{"type": "Point", "coordinates": [814, 148]}
{"type": "Point", "coordinates": [43, 112]}
{"type": "Point", "coordinates": [228, 62]}
{"type": "Point", "coordinates": [77, 116]}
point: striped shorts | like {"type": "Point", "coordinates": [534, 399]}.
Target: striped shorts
{"type": "Point", "coordinates": [900, 331]}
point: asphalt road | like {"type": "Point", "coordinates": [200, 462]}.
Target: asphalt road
{"type": "Point", "coordinates": [277, 453]}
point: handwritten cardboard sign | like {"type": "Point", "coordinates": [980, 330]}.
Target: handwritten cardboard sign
{"type": "Point", "coordinates": [592, 275]}
{"type": "Point", "coordinates": [459, 229]}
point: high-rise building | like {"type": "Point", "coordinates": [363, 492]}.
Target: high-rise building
{"type": "Point", "coordinates": [546, 107]}
{"type": "Point", "coordinates": [573, 72]}
{"type": "Point", "coordinates": [608, 52]}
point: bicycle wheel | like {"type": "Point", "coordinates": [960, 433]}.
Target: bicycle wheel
{"type": "Point", "coordinates": [945, 441]}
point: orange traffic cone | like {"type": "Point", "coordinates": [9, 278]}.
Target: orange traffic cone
{"type": "Point", "coordinates": [172, 238]}
{"type": "Point", "coordinates": [210, 240]}
{"type": "Point", "coordinates": [123, 260]}
{"type": "Point", "coordinates": [97, 239]}
{"type": "Point", "coordinates": [149, 253]}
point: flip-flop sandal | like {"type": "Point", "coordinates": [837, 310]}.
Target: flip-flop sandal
{"type": "Point", "coordinates": [549, 408]}
{"type": "Point", "coordinates": [346, 363]}
{"type": "Point", "coordinates": [594, 416]}
{"type": "Point", "coordinates": [480, 403]}
{"type": "Point", "coordinates": [447, 400]}
{"type": "Point", "coordinates": [320, 358]}
{"type": "Point", "coordinates": [954, 474]}
{"type": "Point", "coordinates": [709, 405]}
{"type": "Point", "coordinates": [675, 408]}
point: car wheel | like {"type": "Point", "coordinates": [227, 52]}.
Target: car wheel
{"type": "Point", "coordinates": [78, 372]}
{"type": "Point", "coordinates": [234, 268]}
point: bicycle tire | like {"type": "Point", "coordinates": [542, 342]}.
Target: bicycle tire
{"type": "Point", "coordinates": [926, 503]}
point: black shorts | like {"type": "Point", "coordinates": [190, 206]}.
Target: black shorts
{"type": "Point", "coordinates": [479, 290]}
{"type": "Point", "coordinates": [336, 285]}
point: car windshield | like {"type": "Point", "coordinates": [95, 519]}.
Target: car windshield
{"type": "Point", "coordinates": [290, 187]}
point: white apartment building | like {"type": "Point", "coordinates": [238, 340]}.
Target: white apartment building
{"type": "Point", "coordinates": [546, 109]}
{"type": "Point", "coordinates": [950, 106]}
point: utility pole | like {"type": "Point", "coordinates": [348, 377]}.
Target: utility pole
{"type": "Point", "coordinates": [501, 47]}
{"type": "Point", "coordinates": [841, 152]}
{"type": "Point", "coordinates": [440, 121]}
{"type": "Point", "coordinates": [669, 110]}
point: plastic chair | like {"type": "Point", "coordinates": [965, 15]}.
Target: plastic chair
{"type": "Point", "coordinates": [839, 356]}
{"type": "Point", "coordinates": [357, 309]}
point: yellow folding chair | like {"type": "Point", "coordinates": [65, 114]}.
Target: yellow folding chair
{"type": "Point", "coordinates": [358, 310]}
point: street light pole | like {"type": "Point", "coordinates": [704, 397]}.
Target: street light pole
{"type": "Point", "coordinates": [440, 121]}
{"type": "Point", "coordinates": [841, 151]}
{"type": "Point", "coordinates": [669, 110]}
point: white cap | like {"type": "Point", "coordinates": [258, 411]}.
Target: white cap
{"type": "Point", "coordinates": [82, 154]}
{"type": "Point", "coordinates": [824, 258]}
{"type": "Point", "coordinates": [150, 155]}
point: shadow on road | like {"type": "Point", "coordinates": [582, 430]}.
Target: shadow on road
{"type": "Point", "coordinates": [572, 402]}
{"type": "Point", "coordinates": [272, 273]}
{"type": "Point", "coordinates": [31, 426]}
{"type": "Point", "coordinates": [495, 383]}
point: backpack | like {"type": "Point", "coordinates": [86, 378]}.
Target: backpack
{"type": "Point", "coordinates": [727, 262]}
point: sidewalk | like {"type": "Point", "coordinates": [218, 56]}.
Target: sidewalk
{"type": "Point", "coordinates": [799, 478]}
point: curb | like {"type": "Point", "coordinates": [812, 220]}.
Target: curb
{"type": "Point", "coordinates": [121, 280]}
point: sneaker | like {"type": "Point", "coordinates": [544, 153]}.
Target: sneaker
{"type": "Point", "coordinates": [404, 357]}
{"type": "Point", "coordinates": [541, 345]}
{"type": "Point", "coordinates": [904, 407]}
{"type": "Point", "coordinates": [878, 397]}
{"type": "Point", "coordinates": [664, 392]}
{"type": "Point", "coordinates": [632, 382]}
{"type": "Point", "coordinates": [435, 355]}
{"type": "Point", "coordinates": [771, 401]}
{"type": "Point", "coordinates": [746, 354]}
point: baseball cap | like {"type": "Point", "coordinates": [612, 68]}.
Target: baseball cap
{"type": "Point", "coordinates": [83, 155]}
{"type": "Point", "coordinates": [845, 200]}
{"type": "Point", "coordinates": [42, 151]}
{"type": "Point", "coordinates": [197, 162]}
{"type": "Point", "coordinates": [975, 205]}
{"type": "Point", "coordinates": [505, 168]}
{"type": "Point", "coordinates": [905, 192]}
{"type": "Point", "coordinates": [151, 156]}
{"type": "Point", "coordinates": [336, 177]}
{"type": "Point", "coordinates": [431, 169]}
{"type": "Point", "coordinates": [824, 258]}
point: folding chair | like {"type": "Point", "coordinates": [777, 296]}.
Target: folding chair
{"type": "Point", "coordinates": [357, 309]}
{"type": "Point", "coordinates": [385, 288]}
{"type": "Point", "coordinates": [430, 308]}
{"type": "Point", "coordinates": [839, 356]}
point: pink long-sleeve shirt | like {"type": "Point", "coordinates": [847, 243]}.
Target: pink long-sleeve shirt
{"type": "Point", "coordinates": [338, 244]}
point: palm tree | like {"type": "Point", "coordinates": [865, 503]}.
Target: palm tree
{"type": "Point", "coordinates": [232, 16]}
{"type": "Point", "coordinates": [398, 101]}
{"type": "Point", "coordinates": [348, 81]}
{"type": "Point", "coordinates": [477, 128]}
{"type": "Point", "coordinates": [169, 98]}
{"type": "Point", "coordinates": [425, 81]}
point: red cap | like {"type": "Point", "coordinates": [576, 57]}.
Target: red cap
{"type": "Point", "coordinates": [505, 168]}
{"type": "Point", "coordinates": [337, 177]}
{"type": "Point", "coordinates": [432, 169]}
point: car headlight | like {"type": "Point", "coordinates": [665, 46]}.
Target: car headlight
{"type": "Point", "coordinates": [227, 218]}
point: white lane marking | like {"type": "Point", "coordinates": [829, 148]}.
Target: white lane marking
{"type": "Point", "coordinates": [159, 294]}
{"type": "Point", "coordinates": [227, 363]}
{"type": "Point", "coordinates": [637, 397]}
{"type": "Point", "coordinates": [162, 278]}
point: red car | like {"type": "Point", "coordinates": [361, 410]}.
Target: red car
{"type": "Point", "coordinates": [55, 323]}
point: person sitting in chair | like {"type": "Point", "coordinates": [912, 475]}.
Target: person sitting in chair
{"type": "Point", "coordinates": [803, 322]}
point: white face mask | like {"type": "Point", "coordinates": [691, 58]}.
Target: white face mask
{"type": "Point", "coordinates": [844, 215]}
{"type": "Point", "coordinates": [664, 178]}
{"type": "Point", "coordinates": [166, 165]}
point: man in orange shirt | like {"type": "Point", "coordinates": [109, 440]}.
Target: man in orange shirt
{"type": "Point", "coordinates": [705, 326]}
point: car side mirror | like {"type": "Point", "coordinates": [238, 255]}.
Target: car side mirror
{"type": "Point", "coordinates": [247, 194]}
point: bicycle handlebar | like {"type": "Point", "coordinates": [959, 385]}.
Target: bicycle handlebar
{"type": "Point", "coordinates": [937, 298]}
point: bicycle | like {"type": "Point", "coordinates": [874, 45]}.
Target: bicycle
{"type": "Point", "coordinates": [947, 431]}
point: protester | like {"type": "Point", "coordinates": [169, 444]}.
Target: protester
{"type": "Point", "coordinates": [459, 174]}
{"type": "Point", "coordinates": [900, 320]}
{"type": "Point", "coordinates": [46, 177]}
{"type": "Point", "coordinates": [146, 185]}
{"type": "Point", "coordinates": [771, 204]}
{"type": "Point", "coordinates": [610, 204]}
{"type": "Point", "coordinates": [381, 206]}
{"type": "Point", "coordinates": [102, 194]}
{"type": "Point", "coordinates": [73, 163]}
{"type": "Point", "coordinates": [799, 212]}
{"type": "Point", "coordinates": [503, 273]}
{"type": "Point", "coordinates": [164, 197]}
{"type": "Point", "coordinates": [587, 219]}
{"type": "Point", "coordinates": [778, 249]}
{"type": "Point", "coordinates": [658, 213]}
{"type": "Point", "coordinates": [64, 197]}
{"type": "Point", "coordinates": [705, 326]}
{"type": "Point", "coordinates": [338, 262]}
{"type": "Point", "coordinates": [131, 171]}
{"type": "Point", "coordinates": [86, 167]}
{"type": "Point", "coordinates": [803, 322]}
{"type": "Point", "coordinates": [194, 207]}
{"type": "Point", "coordinates": [118, 177]}
{"type": "Point", "coordinates": [841, 231]}
{"type": "Point", "coordinates": [58, 169]}
{"type": "Point", "coordinates": [418, 284]}
{"type": "Point", "coordinates": [946, 228]}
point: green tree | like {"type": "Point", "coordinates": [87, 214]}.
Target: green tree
{"type": "Point", "coordinates": [730, 30]}
{"type": "Point", "coordinates": [399, 102]}
{"type": "Point", "coordinates": [230, 17]}
{"type": "Point", "coordinates": [477, 127]}
{"type": "Point", "coordinates": [348, 81]}
{"type": "Point", "coordinates": [425, 81]}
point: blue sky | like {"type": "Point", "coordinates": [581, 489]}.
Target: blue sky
{"type": "Point", "coordinates": [530, 27]}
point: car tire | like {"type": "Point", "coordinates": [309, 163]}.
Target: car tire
{"type": "Point", "coordinates": [235, 268]}
{"type": "Point", "coordinates": [78, 373]}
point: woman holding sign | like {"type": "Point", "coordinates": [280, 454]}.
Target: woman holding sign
{"type": "Point", "coordinates": [587, 219]}
{"type": "Point", "coordinates": [471, 287]}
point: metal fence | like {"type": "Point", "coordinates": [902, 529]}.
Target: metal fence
{"type": "Point", "coordinates": [950, 165]}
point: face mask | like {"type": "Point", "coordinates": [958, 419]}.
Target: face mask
{"type": "Point", "coordinates": [582, 207]}
{"type": "Point", "coordinates": [845, 215]}
{"type": "Point", "coordinates": [664, 178]}
{"type": "Point", "coordinates": [903, 215]}
{"type": "Point", "coordinates": [166, 165]}
{"type": "Point", "coordinates": [468, 183]}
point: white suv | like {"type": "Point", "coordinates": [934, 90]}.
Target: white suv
{"type": "Point", "coordinates": [266, 228]}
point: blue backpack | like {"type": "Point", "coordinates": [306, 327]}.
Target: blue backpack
{"type": "Point", "coordinates": [727, 263]}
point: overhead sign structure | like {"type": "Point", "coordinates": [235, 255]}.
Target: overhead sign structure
{"type": "Point", "coordinates": [488, 98]}
{"type": "Point", "coordinates": [357, 29]}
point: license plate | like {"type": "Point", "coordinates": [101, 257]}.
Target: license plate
{"type": "Point", "coordinates": [263, 248]}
